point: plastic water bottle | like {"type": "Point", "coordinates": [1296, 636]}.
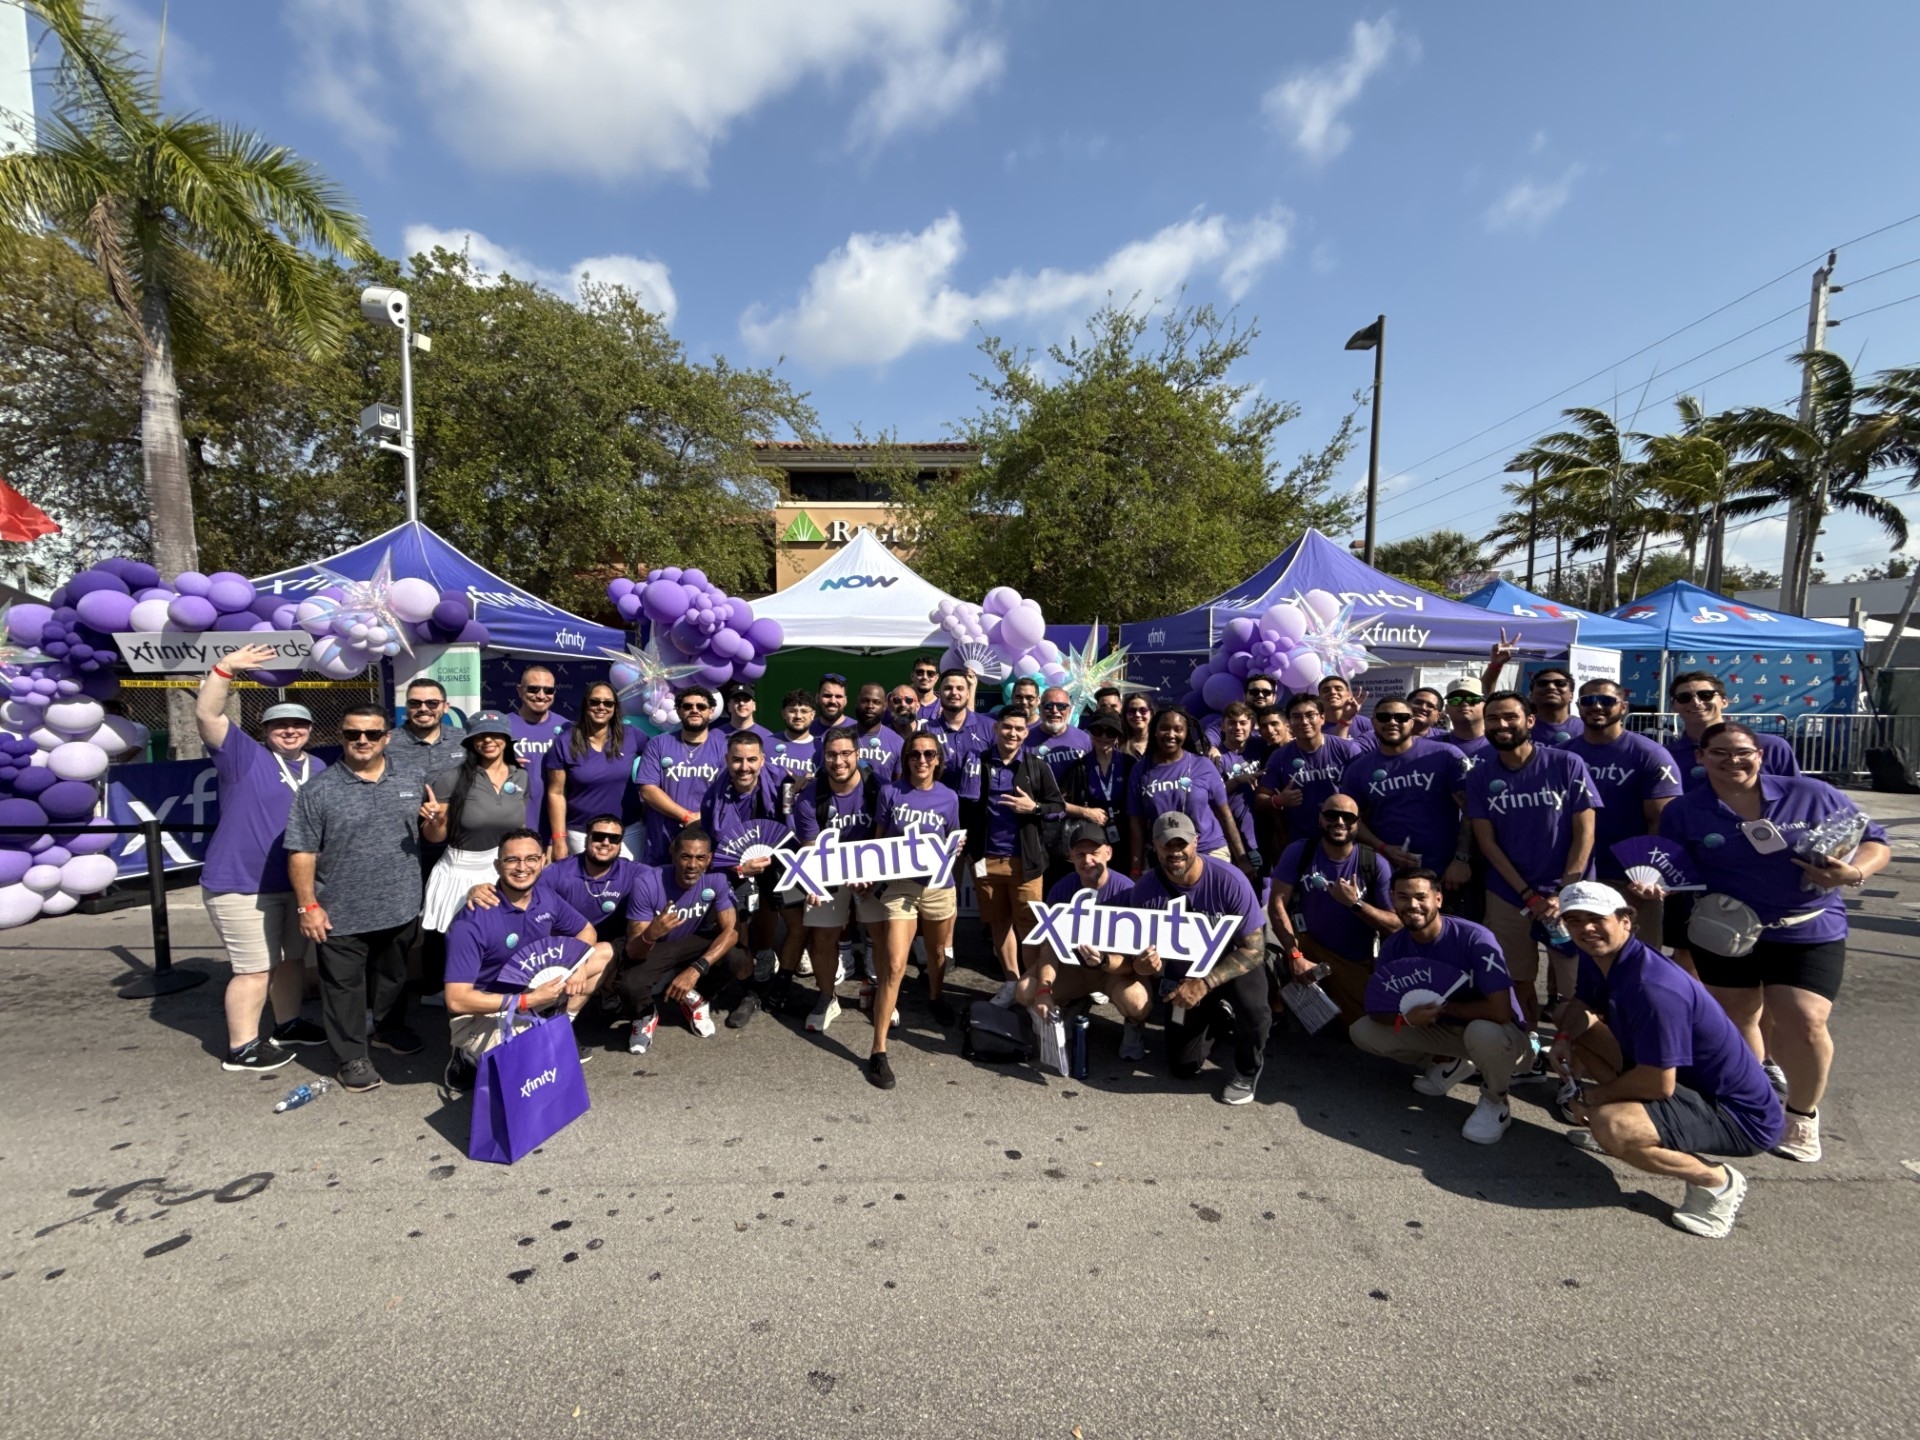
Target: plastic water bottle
{"type": "Point", "coordinates": [301, 1094]}
{"type": "Point", "coordinates": [1557, 932]}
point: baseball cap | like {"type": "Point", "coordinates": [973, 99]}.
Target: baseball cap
{"type": "Point", "coordinates": [486, 722]}
{"type": "Point", "coordinates": [287, 710]}
{"type": "Point", "coordinates": [1593, 898]}
{"type": "Point", "coordinates": [1174, 825]}
{"type": "Point", "coordinates": [1085, 832]}
{"type": "Point", "coordinates": [736, 690]}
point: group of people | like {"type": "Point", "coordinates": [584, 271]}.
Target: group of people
{"type": "Point", "coordinates": [1415, 863]}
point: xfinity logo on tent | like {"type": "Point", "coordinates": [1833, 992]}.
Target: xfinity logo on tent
{"type": "Point", "coordinates": [1156, 637]}
{"type": "Point", "coordinates": [860, 582]}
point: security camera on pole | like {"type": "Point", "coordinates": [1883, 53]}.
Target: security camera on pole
{"type": "Point", "coordinates": [392, 430]}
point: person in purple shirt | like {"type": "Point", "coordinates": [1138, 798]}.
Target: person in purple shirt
{"type": "Point", "coordinates": [741, 707]}
{"type": "Point", "coordinates": [829, 703]}
{"type": "Point", "coordinates": [1054, 739]}
{"type": "Point", "coordinates": [1441, 988]}
{"type": "Point", "coordinates": [589, 771]}
{"type": "Point", "coordinates": [877, 743]}
{"type": "Point", "coordinates": [1635, 779]}
{"type": "Point", "coordinates": [1663, 1076]}
{"type": "Point", "coordinates": [1341, 892]}
{"type": "Point", "coordinates": [1094, 788]}
{"type": "Point", "coordinates": [1007, 798]}
{"type": "Point", "coordinates": [1532, 811]}
{"type": "Point", "coordinates": [535, 726]}
{"type": "Point", "coordinates": [1550, 690]}
{"type": "Point", "coordinates": [903, 710]}
{"type": "Point", "coordinates": [794, 754]}
{"type": "Point", "coordinates": [244, 882]}
{"type": "Point", "coordinates": [674, 773]}
{"type": "Point", "coordinates": [1750, 836]}
{"type": "Point", "coordinates": [742, 812]}
{"type": "Point", "coordinates": [1232, 996]}
{"type": "Point", "coordinates": [595, 882]}
{"type": "Point", "coordinates": [1700, 700]}
{"type": "Point", "coordinates": [1240, 771]}
{"type": "Point", "coordinates": [1411, 793]}
{"type": "Point", "coordinates": [496, 953]}
{"type": "Point", "coordinates": [1301, 774]}
{"type": "Point", "coordinates": [963, 732]}
{"type": "Point", "coordinates": [1341, 706]}
{"type": "Point", "coordinates": [926, 679]}
{"type": "Point", "coordinates": [682, 945]}
{"type": "Point", "coordinates": [1466, 721]}
{"type": "Point", "coordinates": [845, 799]}
{"type": "Point", "coordinates": [1176, 775]}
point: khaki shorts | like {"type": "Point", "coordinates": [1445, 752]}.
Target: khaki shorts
{"type": "Point", "coordinates": [474, 1035]}
{"type": "Point", "coordinates": [1005, 894]}
{"type": "Point", "coordinates": [907, 900]}
{"type": "Point", "coordinates": [259, 931]}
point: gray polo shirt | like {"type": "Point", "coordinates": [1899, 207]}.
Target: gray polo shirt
{"type": "Point", "coordinates": [486, 814]}
{"type": "Point", "coordinates": [417, 758]}
{"type": "Point", "coordinates": [366, 835]}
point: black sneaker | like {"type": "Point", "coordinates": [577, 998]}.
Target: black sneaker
{"type": "Point", "coordinates": [298, 1032]}
{"type": "Point", "coordinates": [585, 1054]}
{"type": "Point", "coordinates": [256, 1055]}
{"type": "Point", "coordinates": [748, 1007]}
{"type": "Point", "coordinates": [360, 1075]}
{"type": "Point", "coordinates": [944, 1013]}
{"type": "Point", "coordinates": [879, 1072]}
{"type": "Point", "coordinates": [400, 1042]}
{"type": "Point", "coordinates": [458, 1077]}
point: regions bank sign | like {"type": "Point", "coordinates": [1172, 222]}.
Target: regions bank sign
{"type": "Point", "coordinates": [804, 530]}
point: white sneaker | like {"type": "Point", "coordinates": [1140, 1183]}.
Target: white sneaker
{"type": "Point", "coordinates": [640, 1039]}
{"type": "Point", "coordinates": [824, 1014]}
{"type": "Point", "coordinates": [1581, 1138]}
{"type": "Point", "coordinates": [1003, 997]}
{"type": "Point", "coordinates": [1489, 1120]}
{"type": "Point", "coordinates": [699, 1017]}
{"type": "Point", "coordinates": [1099, 997]}
{"type": "Point", "coordinates": [805, 972]}
{"type": "Point", "coordinates": [1443, 1075]}
{"type": "Point", "coordinates": [1133, 1041]}
{"type": "Point", "coordinates": [1802, 1140]}
{"type": "Point", "coordinates": [1709, 1215]}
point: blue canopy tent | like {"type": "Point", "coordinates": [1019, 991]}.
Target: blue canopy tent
{"type": "Point", "coordinates": [1770, 663]}
{"type": "Point", "coordinates": [1414, 625]}
{"type": "Point", "coordinates": [1502, 598]}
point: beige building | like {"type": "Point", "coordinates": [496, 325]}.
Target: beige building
{"type": "Point", "coordinates": [834, 493]}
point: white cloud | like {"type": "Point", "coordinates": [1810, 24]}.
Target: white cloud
{"type": "Point", "coordinates": [647, 279]}
{"type": "Point", "coordinates": [183, 67]}
{"type": "Point", "coordinates": [1306, 106]}
{"type": "Point", "coordinates": [615, 89]}
{"type": "Point", "coordinates": [879, 296]}
{"type": "Point", "coordinates": [1758, 544]}
{"type": "Point", "coordinates": [1528, 206]}
{"type": "Point", "coordinates": [1539, 142]}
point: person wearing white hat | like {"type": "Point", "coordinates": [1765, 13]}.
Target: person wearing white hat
{"type": "Point", "coordinates": [1664, 1077]}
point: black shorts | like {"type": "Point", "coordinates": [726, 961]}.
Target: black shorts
{"type": "Point", "coordinates": [1687, 1120]}
{"type": "Point", "coordinates": [1814, 968]}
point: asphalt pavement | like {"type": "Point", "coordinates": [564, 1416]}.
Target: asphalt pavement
{"type": "Point", "coordinates": [743, 1237]}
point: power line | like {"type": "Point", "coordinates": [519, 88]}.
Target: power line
{"type": "Point", "coordinates": [1888, 306]}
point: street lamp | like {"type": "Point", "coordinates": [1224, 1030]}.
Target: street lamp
{"type": "Point", "coordinates": [392, 429]}
{"type": "Point", "coordinates": [1373, 338]}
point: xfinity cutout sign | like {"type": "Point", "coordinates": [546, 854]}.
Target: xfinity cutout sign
{"type": "Point", "coordinates": [194, 652]}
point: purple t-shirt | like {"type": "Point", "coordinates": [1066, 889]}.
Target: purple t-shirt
{"type": "Point", "coordinates": [1407, 799]}
{"type": "Point", "coordinates": [656, 890]}
{"type": "Point", "coordinates": [601, 898]}
{"type": "Point", "coordinates": [1239, 765]}
{"type": "Point", "coordinates": [599, 783]}
{"type": "Point", "coordinates": [1220, 890]}
{"type": "Point", "coordinates": [1477, 748]}
{"type": "Point", "coordinates": [738, 821]}
{"type": "Point", "coordinates": [1461, 948]}
{"type": "Point", "coordinates": [1189, 784]}
{"type": "Point", "coordinates": [1359, 734]}
{"type": "Point", "coordinates": [1728, 864]}
{"type": "Point", "coordinates": [796, 760]}
{"type": "Point", "coordinates": [531, 742]}
{"type": "Point", "coordinates": [879, 751]}
{"type": "Point", "coordinates": [961, 746]}
{"type": "Point", "coordinates": [491, 949]}
{"type": "Point", "coordinates": [1326, 919]}
{"type": "Point", "coordinates": [246, 854]}
{"type": "Point", "coordinates": [1626, 773]}
{"type": "Point", "coordinates": [1665, 1019]}
{"type": "Point", "coordinates": [684, 771]}
{"type": "Point", "coordinates": [847, 815]}
{"type": "Point", "coordinates": [929, 712]}
{"type": "Point", "coordinates": [1316, 773]}
{"type": "Point", "coordinates": [1553, 733]}
{"type": "Point", "coordinates": [1531, 810]}
{"type": "Point", "coordinates": [1059, 751]}
{"type": "Point", "coordinates": [727, 727]}
{"type": "Point", "coordinates": [1776, 758]}
{"type": "Point", "coordinates": [1114, 890]}
{"type": "Point", "coordinates": [936, 810]}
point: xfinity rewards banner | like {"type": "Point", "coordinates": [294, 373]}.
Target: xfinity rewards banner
{"type": "Point", "coordinates": [194, 652]}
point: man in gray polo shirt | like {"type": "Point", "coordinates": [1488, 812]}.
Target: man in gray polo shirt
{"type": "Point", "coordinates": [423, 746]}
{"type": "Point", "coordinates": [353, 843]}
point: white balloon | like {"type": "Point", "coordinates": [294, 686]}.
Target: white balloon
{"type": "Point", "coordinates": [46, 739]}
{"type": "Point", "coordinates": [42, 879]}
{"type": "Point", "coordinates": [75, 717]}
{"type": "Point", "coordinates": [77, 760]}
{"type": "Point", "coordinates": [58, 903]}
{"type": "Point", "coordinates": [150, 616]}
{"type": "Point", "coordinates": [18, 905]}
{"type": "Point", "coordinates": [88, 874]}
{"type": "Point", "coordinates": [117, 735]}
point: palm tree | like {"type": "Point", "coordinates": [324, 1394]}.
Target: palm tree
{"type": "Point", "coordinates": [1821, 463]}
{"type": "Point", "coordinates": [1694, 475]}
{"type": "Point", "coordinates": [150, 198]}
{"type": "Point", "coordinates": [1435, 560]}
{"type": "Point", "coordinates": [1897, 393]}
{"type": "Point", "coordinates": [1586, 467]}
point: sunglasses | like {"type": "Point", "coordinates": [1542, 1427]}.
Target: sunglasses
{"type": "Point", "coordinates": [914, 757]}
{"type": "Point", "coordinates": [603, 837]}
{"type": "Point", "coordinates": [361, 734]}
{"type": "Point", "coordinates": [831, 679]}
{"type": "Point", "coordinates": [1731, 754]}
{"type": "Point", "coordinates": [700, 706]}
{"type": "Point", "coordinates": [1695, 697]}
{"type": "Point", "coordinates": [1393, 717]}
{"type": "Point", "coordinates": [598, 703]}
{"type": "Point", "coordinates": [537, 689]}
{"type": "Point", "coordinates": [1138, 710]}
{"type": "Point", "coordinates": [1339, 817]}
{"type": "Point", "coordinates": [425, 704]}
{"type": "Point", "coordinates": [925, 674]}
{"type": "Point", "coordinates": [1460, 697]}
{"type": "Point", "coordinates": [1598, 702]}
{"type": "Point", "coordinates": [1554, 683]}
{"type": "Point", "coordinates": [1056, 705]}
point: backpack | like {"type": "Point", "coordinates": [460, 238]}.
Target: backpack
{"type": "Point", "coordinates": [993, 1033]}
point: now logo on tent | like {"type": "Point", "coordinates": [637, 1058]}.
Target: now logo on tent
{"type": "Point", "coordinates": [860, 582]}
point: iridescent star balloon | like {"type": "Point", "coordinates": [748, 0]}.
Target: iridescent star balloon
{"type": "Point", "coordinates": [641, 676]}
{"type": "Point", "coordinates": [1088, 671]}
{"type": "Point", "coordinates": [366, 616]}
{"type": "Point", "coordinates": [1340, 642]}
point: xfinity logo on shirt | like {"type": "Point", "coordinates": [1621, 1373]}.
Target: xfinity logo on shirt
{"type": "Point", "coordinates": [847, 819]}
{"type": "Point", "coordinates": [1501, 800]}
{"type": "Point", "coordinates": [1383, 783]}
{"type": "Point", "coordinates": [674, 771]}
{"type": "Point", "coordinates": [912, 815]}
{"type": "Point", "coordinates": [545, 1077]}
{"type": "Point", "coordinates": [1161, 787]}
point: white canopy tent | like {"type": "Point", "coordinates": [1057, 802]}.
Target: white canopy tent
{"type": "Point", "coordinates": [864, 598]}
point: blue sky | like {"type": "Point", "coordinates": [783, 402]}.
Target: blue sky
{"type": "Point", "coordinates": [1531, 193]}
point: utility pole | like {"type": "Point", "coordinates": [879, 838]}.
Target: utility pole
{"type": "Point", "coordinates": [1373, 338]}
{"type": "Point", "coordinates": [1804, 520]}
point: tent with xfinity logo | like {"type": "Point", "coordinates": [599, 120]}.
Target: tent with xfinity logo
{"type": "Point", "coordinates": [1771, 663]}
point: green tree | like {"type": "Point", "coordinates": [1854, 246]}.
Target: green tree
{"type": "Point", "coordinates": [1444, 560]}
{"type": "Point", "coordinates": [1125, 476]}
{"type": "Point", "coordinates": [1590, 469]}
{"type": "Point", "coordinates": [153, 200]}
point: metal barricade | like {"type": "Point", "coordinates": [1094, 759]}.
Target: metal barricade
{"type": "Point", "coordinates": [1663, 725]}
{"type": "Point", "coordinates": [1835, 746]}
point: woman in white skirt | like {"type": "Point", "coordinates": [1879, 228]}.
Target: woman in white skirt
{"type": "Point", "coordinates": [469, 808]}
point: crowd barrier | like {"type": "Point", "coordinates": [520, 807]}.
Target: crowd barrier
{"type": "Point", "coordinates": [1831, 746]}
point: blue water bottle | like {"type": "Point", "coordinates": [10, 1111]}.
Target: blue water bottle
{"type": "Point", "coordinates": [1077, 1027]}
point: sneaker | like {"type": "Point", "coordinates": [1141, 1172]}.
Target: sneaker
{"type": "Point", "coordinates": [1133, 1041]}
{"type": "Point", "coordinates": [1239, 1090]}
{"type": "Point", "coordinates": [1489, 1120]}
{"type": "Point", "coordinates": [1052, 1030]}
{"type": "Point", "coordinates": [640, 1037]}
{"type": "Point", "coordinates": [805, 972]}
{"type": "Point", "coordinates": [698, 1017]}
{"type": "Point", "coordinates": [879, 1072]}
{"type": "Point", "coordinates": [1099, 997]}
{"type": "Point", "coordinates": [943, 1013]}
{"type": "Point", "coordinates": [400, 1042]}
{"type": "Point", "coordinates": [1443, 1075]}
{"type": "Point", "coordinates": [845, 961]}
{"type": "Point", "coordinates": [1563, 1102]}
{"type": "Point", "coordinates": [297, 1032]}
{"type": "Point", "coordinates": [1802, 1140]}
{"type": "Point", "coordinates": [824, 1013]}
{"type": "Point", "coordinates": [256, 1055]}
{"type": "Point", "coordinates": [457, 1079]}
{"type": "Point", "coordinates": [360, 1075]}
{"type": "Point", "coordinates": [748, 1007]}
{"type": "Point", "coordinates": [1776, 1077]}
{"type": "Point", "coordinates": [585, 1054]}
{"type": "Point", "coordinates": [1533, 1063]}
{"type": "Point", "coordinates": [1708, 1215]}
{"type": "Point", "coordinates": [764, 964]}
{"type": "Point", "coordinates": [1003, 997]}
{"type": "Point", "coordinates": [1581, 1138]}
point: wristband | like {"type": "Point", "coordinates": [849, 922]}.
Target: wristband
{"type": "Point", "coordinates": [703, 966]}
{"type": "Point", "coordinates": [523, 1001]}
{"type": "Point", "coordinates": [303, 909]}
{"type": "Point", "coordinates": [223, 674]}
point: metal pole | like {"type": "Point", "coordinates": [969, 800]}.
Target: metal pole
{"type": "Point", "coordinates": [1533, 521]}
{"type": "Point", "coordinates": [1793, 599]}
{"type": "Point", "coordinates": [406, 416]}
{"type": "Point", "coordinates": [164, 979]}
{"type": "Point", "coordinates": [1373, 437]}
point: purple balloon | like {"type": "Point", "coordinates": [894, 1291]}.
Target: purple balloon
{"type": "Point", "coordinates": [449, 616]}
{"type": "Point", "coordinates": [69, 800]}
{"type": "Point", "coordinates": [138, 574]}
{"type": "Point", "coordinates": [235, 620]}
{"type": "Point", "coordinates": [55, 854]}
{"type": "Point", "coordinates": [191, 582]}
{"type": "Point", "coordinates": [766, 636]}
{"type": "Point", "coordinates": [192, 612]}
{"type": "Point", "coordinates": [93, 843]}
{"type": "Point", "coordinates": [265, 605]}
{"type": "Point", "coordinates": [20, 812]}
{"type": "Point", "coordinates": [694, 579]}
{"type": "Point", "coordinates": [33, 782]}
{"type": "Point", "coordinates": [752, 670]}
{"type": "Point", "coordinates": [687, 638]}
{"type": "Point", "coordinates": [665, 602]}
{"type": "Point", "coordinates": [27, 623]}
{"type": "Point", "coordinates": [107, 609]}
{"type": "Point", "coordinates": [1239, 664]}
{"type": "Point", "coordinates": [629, 606]}
{"type": "Point", "coordinates": [230, 594]}
{"type": "Point", "coordinates": [729, 646]}
{"type": "Point", "coordinates": [89, 581]}
{"type": "Point", "coordinates": [474, 633]}
{"type": "Point", "coordinates": [13, 865]}
{"type": "Point", "coordinates": [1221, 691]}
{"type": "Point", "coordinates": [274, 677]}
{"type": "Point", "coordinates": [619, 588]}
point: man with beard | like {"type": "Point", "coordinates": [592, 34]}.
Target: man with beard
{"type": "Point", "coordinates": [1411, 792]}
{"type": "Point", "coordinates": [830, 703]}
{"type": "Point", "coordinates": [674, 773]}
{"type": "Point", "coordinates": [876, 742]}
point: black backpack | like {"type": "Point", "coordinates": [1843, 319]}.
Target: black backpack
{"type": "Point", "coordinates": [995, 1033]}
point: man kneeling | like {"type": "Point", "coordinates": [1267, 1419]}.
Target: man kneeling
{"type": "Point", "coordinates": [510, 963]}
{"type": "Point", "coordinates": [1665, 1076]}
{"type": "Point", "coordinates": [683, 945]}
{"type": "Point", "coordinates": [1051, 987]}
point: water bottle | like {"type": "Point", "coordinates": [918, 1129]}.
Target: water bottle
{"type": "Point", "coordinates": [301, 1094]}
{"type": "Point", "coordinates": [1557, 932]}
{"type": "Point", "coordinates": [1077, 1027]}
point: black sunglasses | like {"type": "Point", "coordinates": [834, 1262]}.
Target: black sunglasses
{"type": "Point", "coordinates": [1694, 697]}
{"type": "Point", "coordinates": [1056, 704]}
{"type": "Point", "coordinates": [930, 756]}
{"type": "Point", "coordinates": [538, 689]}
{"type": "Point", "coordinates": [424, 704]}
{"type": "Point", "coordinates": [602, 837]}
{"type": "Point", "coordinates": [361, 734]}
{"type": "Point", "coordinates": [1338, 817]}
{"type": "Point", "coordinates": [599, 702]}
{"type": "Point", "coordinates": [1598, 702]}
{"type": "Point", "coordinates": [1393, 717]}
{"type": "Point", "coordinates": [1551, 682]}
{"type": "Point", "coordinates": [832, 679]}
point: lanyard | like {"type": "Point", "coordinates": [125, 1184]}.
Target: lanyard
{"type": "Point", "coordinates": [1105, 790]}
{"type": "Point", "coordinates": [286, 771]}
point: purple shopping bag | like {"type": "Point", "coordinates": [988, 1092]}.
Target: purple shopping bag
{"type": "Point", "coordinates": [530, 1088]}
